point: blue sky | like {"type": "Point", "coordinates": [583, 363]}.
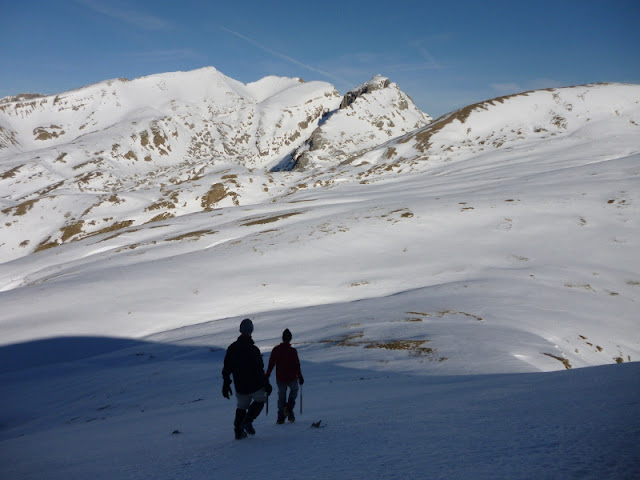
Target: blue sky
{"type": "Point", "coordinates": [445, 54]}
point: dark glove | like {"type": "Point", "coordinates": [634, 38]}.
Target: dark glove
{"type": "Point", "coordinates": [301, 380]}
{"type": "Point", "coordinates": [268, 388]}
{"type": "Point", "coordinates": [226, 390]}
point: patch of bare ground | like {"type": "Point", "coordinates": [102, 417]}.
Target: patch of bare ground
{"type": "Point", "coordinates": [345, 340]}
{"type": "Point", "coordinates": [216, 193]}
{"type": "Point", "coordinates": [402, 213]}
{"type": "Point", "coordinates": [22, 208]}
{"type": "Point", "coordinates": [586, 286]}
{"type": "Point", "coordinates": [414, 347]}
{"type": "Point", "coordinates": [563, 360]}
{"type": "Point", "coordinates": [162, 216]}
{"type": "Point", "coordinates": [192, 235]}
{"type": "Point", "coordinates": [598, 348]}
{"type": "Point", "coordinates": [443, 313]}
{"type": "Point", "coordinates": [10, 173]}
{"type": "Point", "coordinates": [559, 121]}
{"type": "Point", "coordinates": [69, 231]}
{"type": "Point", "coordinates": [45, 191]}
{"type": "Point", "coordinates": [48, 133]}
{"type": "Point", "coordinates": [160, 205]}
{"type": "Point", "coordinates": [115, 227]}
{"type": "Point", "coordinates": [45, 245]}
{"type": "Point", "coordinates": [75, 229]}
{"type": "Point", "coordinates": [271, 219]}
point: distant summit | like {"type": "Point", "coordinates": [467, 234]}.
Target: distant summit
{"type": "Point", "coordinates": [369, 115]}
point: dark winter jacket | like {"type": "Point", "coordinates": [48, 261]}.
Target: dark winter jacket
{"type": "Point", "coordinates": [244, 361]}
{"type": "Point", "coordinates": [285, 358]}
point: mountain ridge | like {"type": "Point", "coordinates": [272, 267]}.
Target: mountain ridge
{"type": "Point", "coordinates": [502, 238]}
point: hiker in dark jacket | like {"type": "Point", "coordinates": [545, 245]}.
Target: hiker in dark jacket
{"type": "Point", "coordinates": [285, 359]}
{"type": "Point", "coordinates": [244, 362]}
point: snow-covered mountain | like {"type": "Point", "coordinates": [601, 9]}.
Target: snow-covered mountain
{"type": "Point", "coordinates": [415, 261]}
{"type": "Point", "coordinates": [123, 153]}
{"type": "Point", "coordinates": [527, 204]}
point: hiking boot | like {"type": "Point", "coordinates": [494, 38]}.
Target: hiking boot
{"type": "Point", "coordinates": [252, 413]}
{"type": "Point", "coordinates": [280, 419]}
{"type": "Point", "coordinates": [288, 412]}
{"type": "Point", "coordinates": [237, 424]}
{"type": "Point", "coordinates": [248, 427]}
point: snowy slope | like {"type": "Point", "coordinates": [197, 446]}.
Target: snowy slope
{"type": "Point", "coordinates": [443, 286]}
{"type": "Point", "coordinates": [148, 410]}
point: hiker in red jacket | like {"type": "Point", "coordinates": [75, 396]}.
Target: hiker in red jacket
{"type": "Point", "coordinates": [285, 359]}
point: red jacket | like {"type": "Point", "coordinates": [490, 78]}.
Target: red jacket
{"type": "Point", "coordinates": [285, 359]}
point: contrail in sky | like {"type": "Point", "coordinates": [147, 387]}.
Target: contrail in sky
{"type": "Point", "coordinates": [133, 17]}
{"type": "Point", "coordinates": [285, 57]}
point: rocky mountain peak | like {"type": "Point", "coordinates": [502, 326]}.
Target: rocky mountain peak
{"type": "Point", "coordinates": [376, 83]}
{"type": "Point", "coordinates": [369, 115]}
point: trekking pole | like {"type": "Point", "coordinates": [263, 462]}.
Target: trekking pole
{"type": "Point", "coordinates": [300, 399]}
{"type": "Point", "coordinates": [267, 412]}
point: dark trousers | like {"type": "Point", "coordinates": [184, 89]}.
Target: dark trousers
{"type": "Point", "coordinates": [287, 399]}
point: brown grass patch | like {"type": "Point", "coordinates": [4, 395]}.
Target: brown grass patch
{"type": "Point", "coordinates": [10, 173]}
{"type": "Point", "coordinates": [414, 347]}
{"type": "Point", "coordinates": [586, 286]}
{"type": "Point", "coordinates": [265, 220]}
{"type": "Point", "coordinates": [22, 208]}
{"type": "Point", "coordinates": [192, 235]}
{"type": "Point", "coordinates": [48, 133]}
{"type": "Point", "coordinates": [346, 340]}
{"type": "Point", "coordinates": [162, 216]}
{"type": "Point", "coordinates": [216, 193]}
{"type": "Point", "coordinates": [160, 205]}
{"type": "Point", "coordinates": [452, 312]}
{"type": "Point", "coordinates": [72, 230]}
{"type": "Point", "coordinates": [112, 228]}
{"type": "Point", "coordinates": [564, 361]}
{"type": "Point", "coordinates": [45, 245]}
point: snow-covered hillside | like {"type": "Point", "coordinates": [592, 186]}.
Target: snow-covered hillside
{"type": "Point", "coordinates": [502, 238]}
{"type": "Point", "coordinates": [517, 214]}
{"type": "Point", "coordinates": [124, 153]}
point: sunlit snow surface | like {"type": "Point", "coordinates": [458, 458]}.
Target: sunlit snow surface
{"type": "Point", "coordinates": [443, 291]}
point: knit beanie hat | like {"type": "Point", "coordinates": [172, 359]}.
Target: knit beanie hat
{"type": "Point", "coordinates": [246, 326]}
{"type": "Point", "coordinates": [286, 336]}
